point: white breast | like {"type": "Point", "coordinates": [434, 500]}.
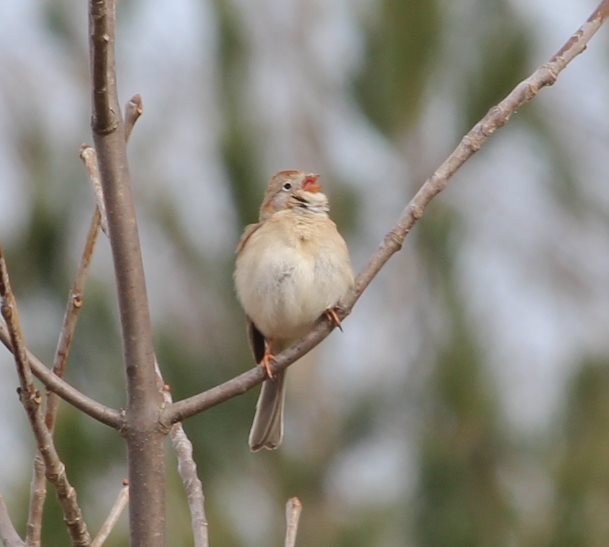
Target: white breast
{"type": "Point", "coordinates": [287, 275]}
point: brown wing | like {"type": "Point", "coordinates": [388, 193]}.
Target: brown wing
{"type": "Point", "coordinates": [247, 233]}
{"type": "Point", "coordinates": [256, 339]}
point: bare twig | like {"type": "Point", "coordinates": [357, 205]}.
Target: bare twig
{"type": "Point", "coordinates": [30, 398]}
{"type": "Point", "coordinates": [89, 158]}
{"type": "Point", "coordinates": [98, 411]}
{"type": "Point", "coordinates": [187, 468]}
{"type": "Point", "coordinates": [73, 307]}
{"type": "Point", "coordinates": [143, 435]}
{"type": "Point", "coordinates": [38, 492]}
{"type": "Point", "coordinates": [133, 110]}
{"type": "Point", "coordinates": [8, 534]}
{"type": "Point", "coordinates": [497, 116]}
{"type": "Point", "coordinates": [293, 509]}
{"type": "Point", "coordinates": [117, 509]}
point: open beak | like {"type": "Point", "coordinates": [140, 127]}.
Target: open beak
{"type": "Point", "coordinates": [310, 183]}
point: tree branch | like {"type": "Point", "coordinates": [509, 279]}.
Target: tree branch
{"type": "Point", "coordinates": [73, 307]}
{"type": "Point", "coordinates": [117, 509]}
{"type": "Point", "coordinates": [89, 158]}
{"type": "Point", "coordinates": [38, 493]}
{"type": "Point", "coordinates": [8, 534]}
{"type": "Point", "coordinates": [30, 398]}
{"type": "Point", "coordinates": [133, 110]}
{"type": "Point", "coordinates": [187, 468]}
{"type": "Point", "coordinates": [98, 411]}
{"type": "Point", "coordinates": [143, 434]}
{"type": "Point", "coordinates": [497, 117]}
{"type": "Point", "coordinates": [293, 509]}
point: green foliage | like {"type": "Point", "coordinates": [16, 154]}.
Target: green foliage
{"type": "Point", "coordinates": [401, 42]}
{"type": "Point", "coordinates": [459, 499]}
{"type": "Point", "coordinates": [581, 474]}
{"type": "Point", "coordinates": [238, 145]}
{"type": "Point", "coordinates": [502, 60]}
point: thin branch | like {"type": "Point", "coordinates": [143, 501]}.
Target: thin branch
{"type": "Point", "coordinates": [8, 534]}
{"type": "Point", "coordinates": [73, 307]}
{"type": "Point", "coordinates": [293, 509]}
{"type": "Point", "coordinates": [75, 301]}
{"type": "Point", "coordinates": [497, 116]}
{"type": "Point", "coordinates": [89, 159]}
{"type": "Point", "coordinates": [117, 509]}
{"type": "Point", "coordinates": [144, 436]}
{"type": "Point", "coordinates": [38, 492]}
{"type": "Point", "coordinates": [187, 468]}
{"type": "Point", "coordinates": [79, 400]}
{"type": "Point", "coordinates": [30, 398]}
{"type": "Point", "coordinates": [133, 110]}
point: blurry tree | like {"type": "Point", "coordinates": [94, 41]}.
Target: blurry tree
{"type": "Point", "coordinates": [579, 463]}
{"type": "Point", "coordinates": [410, 55]}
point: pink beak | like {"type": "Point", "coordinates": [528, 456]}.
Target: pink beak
{"type": "Point", "coordinates": [310, 183]}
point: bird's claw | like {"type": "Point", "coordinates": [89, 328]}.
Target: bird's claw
{"type": "Point", "coordinates": [267, 362]}
{"type": "Point", "coordinates": [333, 318]}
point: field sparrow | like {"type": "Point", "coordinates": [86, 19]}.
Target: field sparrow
{"type": "Point", "coordinates": [292, 266]}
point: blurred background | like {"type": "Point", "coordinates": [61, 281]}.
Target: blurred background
{"type": "Point", "coordinates": [467, 401]}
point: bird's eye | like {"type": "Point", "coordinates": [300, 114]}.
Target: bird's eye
{"type": "Point", "coordinates": [287, 186]}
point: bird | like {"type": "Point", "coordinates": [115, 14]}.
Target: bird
{"type": "Point", "coordinates": [291, 267]}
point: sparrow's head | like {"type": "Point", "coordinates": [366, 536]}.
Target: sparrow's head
{"type": "Point", "coordinates": [289, 189]}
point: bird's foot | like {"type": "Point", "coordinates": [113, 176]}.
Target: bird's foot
{"type": "Point", "coordinates": [333, 318]}
{"type": "Point", "coordinates": [268, 359]}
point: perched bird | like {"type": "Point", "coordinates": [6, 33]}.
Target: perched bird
{"type": "Point", "coordinates": [291, 267]}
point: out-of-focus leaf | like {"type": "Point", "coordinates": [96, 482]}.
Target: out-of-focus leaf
{"type": "Point", "coordinates": [401, 41]}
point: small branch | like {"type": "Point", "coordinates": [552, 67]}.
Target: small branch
{"type": "Point", "coordinates": [38, 492]}
{"type": "Point", "coordinates": [75, 301]}
{"type": "Point", "coordinates": [89, 158]}
{"type": "Point", "coordinates": [497, 117]}
{"type": "Point", "coordinates": [117, 509]}
{"type": "Point", "coordinates": [98, 411]}
{"type": "Point", "coordinates": [8, 534]}
{"type": "Point", "coordinates": [30, 398]}
{"type": "Point", "coordinates": [187, 468]}
{"type": "Point", "coordinates": [133, 110]}
{"type": "Point", "coordinates": [293, 509]}
{"type": "Point", "coordinates": [73, 307]}
{"type": "Point", "coordinates": [102, 18]}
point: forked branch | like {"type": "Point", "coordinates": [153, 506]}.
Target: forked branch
{"type": "Point", "coordinates": [30, 398]}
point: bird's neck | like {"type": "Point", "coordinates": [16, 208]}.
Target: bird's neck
{"type": "Point", "coordinates": [314, 204]}
{"type": "Point", "coordinates": [311, 209]}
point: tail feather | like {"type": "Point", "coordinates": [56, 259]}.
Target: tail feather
{"type": "Point", "coordinates": [267, 427]}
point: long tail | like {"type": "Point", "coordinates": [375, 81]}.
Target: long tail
{"type": "Point", "coordinates": [267, 428]}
